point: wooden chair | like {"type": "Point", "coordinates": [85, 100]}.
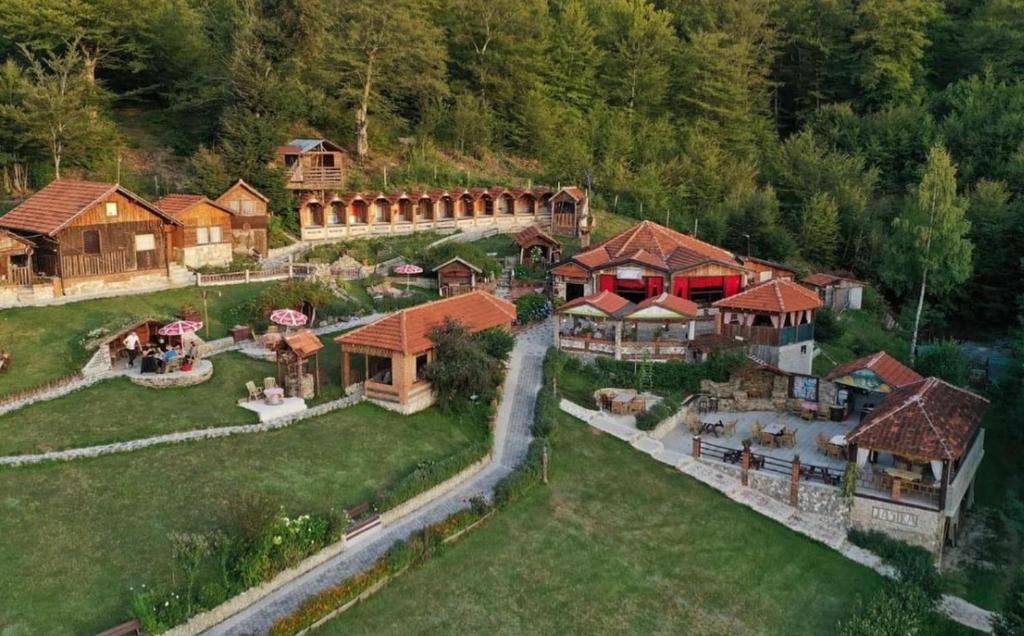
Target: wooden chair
{"type": "Point", "coordinates": [788, 439]}
{"type": "Point", "coordinates": [255, 393]}
{"type": "Point", "coordinates": [756, 430]}
{"type": "Point", "coordinates": [821, 442]}
{"type": "Point", "coordinates": [269, 383]}
{"type": "Point", "coordinates": [730, 428]}
{"type": "Point", "coordinates": [766, 439]}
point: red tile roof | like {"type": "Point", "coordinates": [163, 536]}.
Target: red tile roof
{"type": "Point", "coordinates": [887, 368]}
{"type": "Point", "coordinates": [574, 192]}
{"type": "Point", "coordinates": [656, 246]}
{"type": "Point", "coordinates": [408, 331]}
{"type": "Point", "coordinates": [929, 419]}
{"type": "Point", "coordinates": [175, 204]}
{"type": "Point", "coordinates": [528, 235]}
{"type": "Point", "coordinates": [607, 302]}
{"type": "Point", "coordinates": [824, 279]}
{"type": "Point", "coordinates": [52, 208]}
{"type": "Point", "coordinates": [570, 270]}
{"type": "Point", "coordinates": [681, 306]}
{"type": "Point", "coordinates": [778, 295]}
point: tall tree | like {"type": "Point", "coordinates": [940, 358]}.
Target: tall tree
{"type": "Point", "coordinates": [387, 55]}
{"type": "Point", "coordinates": [929, 246]}
{"type": "Point", "coordinates": [819, 232]}
{"type": "Point", "coordinates": [575, 56]}
{"type": "Point", "coordinates": [892, 37]}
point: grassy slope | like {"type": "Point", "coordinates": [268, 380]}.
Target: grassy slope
{"type": "Point", "coordinates": [77, 535]}
{"type": "Point", "coordinates": [47, 342]}
{"type": "Point", "coordinates": [617, 544]}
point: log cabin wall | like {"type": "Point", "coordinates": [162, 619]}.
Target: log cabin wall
{"type": "Point", "coordinates": [105, 241]}
{"type": "Point", "coordinates": [242, 202]}
{"type": "Point", "coordinates": [202, 219]}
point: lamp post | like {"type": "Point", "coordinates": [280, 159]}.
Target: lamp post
{"type": "Point", "coordinates": [748, 244]}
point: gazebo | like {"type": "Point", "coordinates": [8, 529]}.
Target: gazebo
{"type": "Point", "coordinates": [293, 351]}
{"type": "Point", "coordinates": [533, 240]}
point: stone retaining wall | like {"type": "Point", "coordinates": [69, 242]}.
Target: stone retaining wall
{"type": "Point", "coordinates": [441, 489]}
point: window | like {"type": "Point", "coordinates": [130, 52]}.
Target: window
{"type": "Point", "coordinates": [248, 207]}
{"type": "Point", "coordinates": [202, 235]}
{"type": "Point", "coordinates": [145, 242]}
{"type": "Point", "coordinates": [111, 208]}
{"type": "Point", "coordinates": [215, 234]}
{"type": "Point", "coordinates": [235, 205]}
{"type": "Point", "coordinates": [91, 241]}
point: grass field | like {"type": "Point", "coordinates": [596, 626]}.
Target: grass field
{"type": "Point", "coordinates": [47, 343]}
{"type": "Point", "coordinates": [619, 544]}
{"type": "Point", "coordinates": [78, 534]}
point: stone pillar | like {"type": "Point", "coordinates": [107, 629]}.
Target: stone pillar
{"type": "Point", "coordinates": [618, 340]}
{"type": "Point", "coordinates": [558, 324]}
{"type": "Point", "coordinates": [943, 484]}
{"type": "Point", "coordinates": [794, 483]}
{"type": "Point", "coordinates": [745, 467]}
{"type": "Point", "coordinates": [696, 446]}
{"type": "Point", "coordinates": [897, 487]}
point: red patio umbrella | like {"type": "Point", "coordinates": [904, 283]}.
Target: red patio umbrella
{"type": "Point", "coordinates": [408, 269]}
{"type": "Point", "coordinates": [288, 317]}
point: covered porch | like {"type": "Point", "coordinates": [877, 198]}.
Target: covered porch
{"type": "Point", "coordinates": [386, 376]}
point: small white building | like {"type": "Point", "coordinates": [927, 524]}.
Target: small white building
{"type": "Point", "coordinates": [837, 290]}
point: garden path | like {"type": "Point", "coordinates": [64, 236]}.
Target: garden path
{"type": "Point", "coordinates": [511, 441]}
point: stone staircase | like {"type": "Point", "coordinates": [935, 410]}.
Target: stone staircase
{"type": "Point", "coordinates": [181, 275]}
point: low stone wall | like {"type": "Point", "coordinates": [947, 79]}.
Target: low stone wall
{"type": "Point", "coordinates": [916, 526]}
{"type": "Point", "coordinates": [51, 391]}
{"type": "Point", "coordinates": [390, 516]}
{"type": "Point", "coordinates": [202, 372]}
{"type": "Point", "coordinates": [669, 424]}
{"type": "Point", "coordinates": [16, 296]}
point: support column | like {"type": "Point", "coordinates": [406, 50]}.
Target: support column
{"type": "Point", "coordinates": [794, 483]}
{"type": "Point", "coordinates": [618, 340]}
{"type": "Point", "coordinates": [558, 335]}
{"type": "Point", "coordinates": [696, 446]}
{"type": "Point", "coordinates": [691, 331]}
{"type": "Point", "coordinates": [745, 467]}
{"type": "Point", "coordinates": [346, 370]}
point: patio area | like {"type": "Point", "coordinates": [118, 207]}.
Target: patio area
{"type": "Point", "coordinates": [680, 439]}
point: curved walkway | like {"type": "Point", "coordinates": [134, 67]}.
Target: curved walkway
{"type": "Point", "coordinates": [511, 440]}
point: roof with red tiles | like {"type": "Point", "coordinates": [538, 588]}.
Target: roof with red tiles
{"type": "Point", "coordinates": [574, 192]}
{"type": "Point", "coordinates": [887, 368]}
{"type": "Point", "coordinates": [570, 270]}
{"type": "Point", "coordinates": [665, 300]}
{"type": "Point", "coordinates": [408, 331]}
{"type": "Point", "coordinates": [778, 295]}
{"type": "Point", "coordinates": [243, 184]}
{"type": "Point", "coordinates": [656, 246]}
{"type": "Point", "coordinates": [51, 209]}
{"type": "Point", "coordinates": [533, 233]}
{"type": "Point", "coordinates": [929, 419]}
{"type": "Point", "coordinates": [175, 204]}
{"type": "Point", "coordinates": [608, 303]}
{"type": "Point", "coordinates": [304, 343]}
{"type": "Point", "coordinates": [436, 194]}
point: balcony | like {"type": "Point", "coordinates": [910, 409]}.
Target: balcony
{"type": "Point", "coordinates": [324, 178]}
{"type": "Point", "coordinates": [770, 336]}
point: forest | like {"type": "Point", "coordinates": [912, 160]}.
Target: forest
{"type": "Point", "coordinates": [882, 137]}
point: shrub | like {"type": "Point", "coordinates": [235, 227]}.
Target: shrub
{"type": "Point", "coordinates": [524, 477]}
{"type": "Point", "coordinates": [1010, 621]}
{"type": "Point", "coordinates": [899, 610]}
{"type": "Point", "coordinates": [497, 342]}
{"type": "Point", "coordinates": [826, 326]}
{"type": "Point", "coordinates": [461, 368]}
{"type": "Point", "coordinates": [428, 474]}
{"type": "Point", "coordinates": [914, 564]}
{"type": "Point", "coordinates": [946, 360]}
{"type": "Point", "coordinates": [650, 418]}
{"type": "Point", "coordinates": [670, 376]}
{"type": "Point", "coordinates": [532, 307]}
{"type": "Point", "coordinates": [291, 293]}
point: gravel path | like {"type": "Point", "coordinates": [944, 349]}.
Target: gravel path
{"type": "Point", "coordinates": [511, 440]}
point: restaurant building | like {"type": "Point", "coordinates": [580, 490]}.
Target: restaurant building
{"type": "Point", "coordinates": [396, 349]}
{"type": "Point", "coordinates": [862, 384]}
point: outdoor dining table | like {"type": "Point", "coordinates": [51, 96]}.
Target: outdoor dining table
{"type": "Point", "coordinates": [712, 427]}
{"type": "Point", "coordinates": [838, 440]}
{"type": "Point", "coordinates": [621, 402]}
{"type": "Point", "coordinates": [274, 395]}
{"type": "Point", "coordinates": [905, 475]}
{"type": "Point", "coordinates": [774, 428]}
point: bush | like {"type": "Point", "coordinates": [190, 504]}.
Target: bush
{"type": "Point", "coordinates": [428, 474]}
{"type": "Point", "coordinates": [899, 610]}
{"type": "Point", "coordinates": [532, 307]}
{"type": "Point", "coordinates": [1010, 621]}
{"type": "Point", "coordinates": [944, 359]}
{"type": "Point", "coordinates": [914, 564]}
{"type": "Point", "coordinates": [461, 368]}
{"type": "Point", "coordinates": [650, 418]}
{"type": "Point", "coordinates": [524, 477]}
{"type": "Point", "coordinates": [670, 376]}
{"type": "Point", "coordinates": [291, 293]}
{"type": "Point", "coordinates": [826, 325]}
{"type": "Point", "coordinates": [497, 342]}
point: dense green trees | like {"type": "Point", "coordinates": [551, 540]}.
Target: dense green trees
{"type": "Point", "coordinates": [799, 128]}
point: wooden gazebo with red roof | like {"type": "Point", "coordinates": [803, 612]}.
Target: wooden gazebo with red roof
{"type": "Point", "coordinates": [397, 348]}
{"type": "Point", "coordinates": [533, 238]}
{"type": "Point", "coordinates": [293, 350]}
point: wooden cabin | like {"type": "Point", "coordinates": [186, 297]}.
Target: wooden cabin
{"type": "Point", "coordinates": [456, 276]}
{"type": "Point", "coordinates": [570, 213]}
{"type": "Point", "coordinates": [839, 290]}
{"type": "Point", "coordinates": [537, 248]}
{"type": "Point", "coordinates": [92, 235]}
{"type": "Point", "coordinates": [203, 237]}
{"type": "Point", "coordinates": [15, 259]}
{"type": "Point", "coordinates": [249, 222]}
{"type": "Point", "coordinates": [396, 349]}
{"type": "Point", "coordinates": [314, 164]}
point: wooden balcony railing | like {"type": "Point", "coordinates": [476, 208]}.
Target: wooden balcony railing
{"type": "Point", "coordinates": [770, 336]}
{"type": "Point", "coordinates": [304, 178]}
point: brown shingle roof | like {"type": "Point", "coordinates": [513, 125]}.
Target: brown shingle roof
{"type": "Point", "coordinates": [570, 270]}
{"type": "Point", "coordinates": [824, 279]}
{"type": "Point", "coordinates": [656, 246]}
{"type": "Point", "coordinates": [304, 343]}
{"type": "Point", "coordinates": [887, 368]}
{"type": "Point", "coordinates": [929, 419]}
{"type": "Point", "coordinates": [52, 208]}
{"type": "Point", "coordinates": [242, 183]}
{"type": "Point", "coordinates": [778, 295]}
{"type": "Point", "coordinates": [609, 303]}
{"type": "Point", "coordinates": [528, 235]}
{"type": "Point", "coordinates": [175, 204]}
{"type": "Point", "coordinates": [408, 330]}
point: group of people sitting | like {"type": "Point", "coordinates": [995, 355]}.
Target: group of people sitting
{"type": "Point", "coordinates": [159, 356]}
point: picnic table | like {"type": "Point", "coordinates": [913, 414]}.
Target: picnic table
{"type": "Point", "coordinates": [774, 428]}
{"type": "Point", "coordinates": [827, 475]}
{"type": "Point", "coordinates": [905, 475]}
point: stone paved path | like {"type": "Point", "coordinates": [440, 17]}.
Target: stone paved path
{"type": "Point", "coordinates": [511, 440]}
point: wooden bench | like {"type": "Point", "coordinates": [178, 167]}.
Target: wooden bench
{"type": "Point", "coordinates": [130, 627]}
{"type": "Point", "coordinates": [357, 511]}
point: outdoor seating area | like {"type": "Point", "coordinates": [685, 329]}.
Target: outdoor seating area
{"type": "Point", "coordinates": [622, 401]}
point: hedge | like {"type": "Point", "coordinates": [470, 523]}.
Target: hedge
{"type": "Point", "coordinates": [428, 474]}
{"type": "Point", "coordinates": [914, 564]}
{"type": "Point", "coordinates": [650, 418]}
{"type": "Point", "coordinates": [671, 376]}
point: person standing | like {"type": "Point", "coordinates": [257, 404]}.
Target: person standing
{"type": "Point", "coordinates": [131, 344]}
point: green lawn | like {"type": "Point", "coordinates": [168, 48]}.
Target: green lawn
{"type": "Point", "coordinates": [47, 343]}
{"type": "Point", "coordinates": [619, 544]}
{"type": "Point", "coordinates": [76, 535]}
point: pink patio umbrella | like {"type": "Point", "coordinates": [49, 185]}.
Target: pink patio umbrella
{"type": "Point", "coordinates": [408, 269]}
{"type": "Point", "coordinates": [288, 317]}
{"type": "Point", "coordinates": [180, 328]}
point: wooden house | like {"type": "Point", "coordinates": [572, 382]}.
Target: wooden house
{"type": "Point", "coordinates": [397, 348]}
{"type": "Point", "coordinates": [863, 383]}
{"type": "Point", "coordinates": [537, 248]}
{"type": "Point", "coordinates": [95, 235]}
{"type": "Point", "coordinates": [456, 276]}
{"type": "Point", "coordinates": [313, 164]}
{"type": "Point", "coordinates": [763, 270]}
{"type": "Point", "coordinates": [249, 222]}
{"type": "Point", "coordinates": [204, 234]}
{"type": "Point", "coordinates": [15, 259]}
{"type": "Point", "coordinates": [649, 259]}
{"type": "Point", "coordinates": [570, 214]}
{"type": "Point", "coordinates": [838, 290]}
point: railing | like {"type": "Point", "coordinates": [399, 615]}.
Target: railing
{"type": "Point", "coordinates": [883, 486]}
{"type": "Point", "coordinates": [963, 478]}
{"type": "Point", "coordinates": [313, 178]}
{"type": "Point", "coordinates": [767, 463]}
{"type": "Point", "coordinates": [292, 270]}
{"type": "Point", "coordinates": [75, 265]}
{"type": "Point", "coordinates": [770, 336]}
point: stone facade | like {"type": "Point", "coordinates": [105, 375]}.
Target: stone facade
{"type": "Point", "coordinates": [213, 254]}
{"type": "Point", "coordinates": [15, 296]}
{"type": "Point", "coordinates": [201, 373]}
{"type": "Point", "coordinates": [916, 526]}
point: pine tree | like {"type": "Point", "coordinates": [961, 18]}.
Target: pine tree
{"type": "Point", "coordinates": [892, 38]}
{"type": "Point", "coordinates": [819, 232]}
